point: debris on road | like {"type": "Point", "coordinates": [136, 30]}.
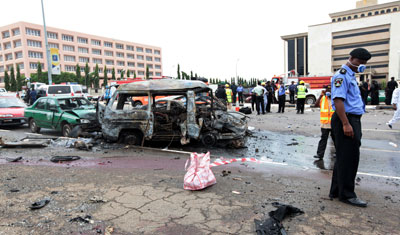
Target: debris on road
{"type": "Point", "coordinates": [199, 174]}
{"type": "Point", "coordinates": [236, 192]}
{"type": "Point", "coordinates": [273, 225]}
{"type": "Point", "coordinates": [109, 230]}
{"type": "Point", "coordinates": [97, 199]}
{"type": "Point", "coordinates": [293, 143]}
{"type": "Point", "coordinates": [17, 159]}
{"type": "Point", "coordinates": [24, 144]}
{"type": "Point", "coordinates": [87, 219]}
{"type": "Point", "coordinates": [58, 159]}
{"type": "Point", "coordinates": [39, 204]}
{"type": "Point", "coordinates": [393, 144]}
{"type": "Point", "coordinates": [225, 173]}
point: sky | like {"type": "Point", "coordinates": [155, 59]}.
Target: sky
{"type": "Point", "coordinates": [213, 38]}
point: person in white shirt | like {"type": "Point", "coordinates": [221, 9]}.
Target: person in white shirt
{"type": "Point", "coordinates": [395, 103]}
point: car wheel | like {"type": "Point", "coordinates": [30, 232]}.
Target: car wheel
{"type": "Point", "coordinates": [208, 139]}
{"type": "Point", "coordinates": [33, 126]}
{"type": "Point", "coordinates": [132, 138]}
{"type": "Point", "coordinates": [66, 130]}
{"type": "Point", "coordinates": [310, 100]}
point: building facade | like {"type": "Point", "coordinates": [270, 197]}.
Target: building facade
{"type": "Point", "coordinates": [23, 44]}
{"type": "Point", "coordinates": [373, 26]}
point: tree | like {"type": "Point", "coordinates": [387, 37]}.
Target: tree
{"type": "Point", "coordinates": [96, 77]}
{"type": "Point", "coordinates": [191, 75]}
{"type": "Point", "coordinates": [6, 80]}
{"type": "Point", "coordinates": [147, 73]}
{"type": "Point", "coordinates": [128, 73]}
{"type": "Point", "coordinates": [105, 81]}
{"type": "Point", "coordinates": [195, 75]}
{"type": "Point", "coordinates": [113, 74]}
{"type": "Point", "coordinates": [122, 74]}
{"type": "Point", "coordinates": [40, 77]}
{"type": "Point", "coordinates": [87, 77]}
{"type": "Point", "coordinates": [134, 74]}
{"type": "Point", "coordinates": [19, 79]}
{"type": "Point", "coordinates": [179, 73]}
{"type": "Point", "coordinates": [12, 80]}
{"type": "Point", "coordinates": [78, 73]}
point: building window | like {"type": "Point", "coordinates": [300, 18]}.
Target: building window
{"type": "Point", "coordinates": [84, 59]}
{"type": "Point", "coordinates": [33, 65]}
{"type": "Point", "coordinates": [157, 59]}
{"type": "Point", "coordinates": [139, 49]}
{"type": "Point", "coordinates": [21, 66]}
{"type": "Point", "coordinates": [158, 74]}
{"type": "Point", "coordinates": [158, 66]}
{"type": "Point", "coordinates": [68, 48]}
{"type": "Point", "coordinates": [6, 34]}
{"type": "Point", "coordinates": [149, 58]}
{"type": "Point", "coordinates": [339, 19]}
{"type": "Point", "coordinates": [33, 43]}
{"type": "Point", "coordinates": [344, 18]}
{"type": "Point", "coordinates": [33, 32]}
{"type": "Point", "coordinates": [109, 71]}
{"type": "Point", "coordinates": [35, 54]}
{"type": "Point", "coordinates": [300, 56]}
{"type": "Point", "coordinates": [363, 15]}
{"type": "Point", "coordinates": [68, 38]}
{"type": "Point", "coordinates": [8, 56]}
{"type": "Point", "coordinates": [355, 16]}
{"type": "Point", "coordinates": [129, 48]}
{"type": "Point", "coordinates": [130, 56]}
{"type": "Point", "coordinates": [1, 69]}
{"type": "Point", "coordinates": [16, 32]}
{"type": "Point", "coordinates": [119, 54]}
{"type": "Point", "coordinates": [108, 44]}
{"type": "Point", "coordinates": [0, 47]}
{"type": "Point", "coordinates": [53, 45]}
{"type": "Point", "coordinates": [69, 58]}
{"type": "Point", "coordinates": [394, 9]}
{"type": "Point", "coordinates": [82, 68]}
{"type": "Point", "coordinates": [69, 68]}
{"type": "Point", "coordinates": [7, 45]}
{"type": "Point", "coordinates": [108, 53]}
{"type": "Point", "coordinates": [109, 62]}
{"type": "Point", "coordinates": [131, 64]}
{"type": "Point", "coordinates": [97, 61]}
{"type": "Point", "coordinates": [140, 65]}
{"type": "Point", "coordinates": [140, 57]}
{"type": "Point", "coordinates": [52, 35]}
{"type": "Point", "coordinates": [157, 52]}
{"type": "Point", "coordinates": [369, 13]}
{"type": "Point", "coordinates": [382, 11]}
{"type": "Point", "coordinates": [1, 58]}
{"type": "Point", "coordinates": [18, 55]}
{"type": "Point", "coordinates": [100, 69]}
{"type": "Point", "coordinates": [149, 50]}
{"type": "Point", "coordinates": [349, 17]}
{"type": "Point", "coordinates": [388, 10]}
{"type": "Point", "coordinates": [141, 73]}
{"type": "Point", "coordinates": [17, 43]}
{"type": "Point", "coordinates": [376, 12]}
{"type": "Point", "coordinates": [82, 40]}
{"type": "Point", "coordinates": [83, 50]}
{"type": "Point", "coordinates": [10, 67]}
{"type": "Point", "coordinates": [120, 63]}
{"type": "Point", "coordinates": [119, 46]}
{"type": "Point", "coordinates": [150, 66]}
{"type": "Point", "coordinates": [96, 51]}
{"type": "Point", "coordinates": [96, 42]}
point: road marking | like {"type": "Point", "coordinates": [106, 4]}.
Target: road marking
{"type": "Point", "coordinates": [28, 133]}
{"type": "Point", "coordinates": [380, 150]}
{"type": "Point", "coordinates": [377, 175]}
{"type": "Point", "coordinates": [4, 130]}
{"type": "Point", "coordinates": [394, 131]}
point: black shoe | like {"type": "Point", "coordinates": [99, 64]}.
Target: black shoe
{"type": "Point", "coordinates": [355, 202]}
{"type": "Point", "coordinates": [298, 112]}
{"type": "Point", "coordinates": [278, 112]}
{"type": "Point", "coordinates": [263, 113]}
{"type": "Point", "coordinates": [331, 196]}
{"type": "Point", "coordinates": [302, 112]}
{"type": "Point", "coordinates": [390, 126]}
{"type": "Point", "coordinates": [319, 157]}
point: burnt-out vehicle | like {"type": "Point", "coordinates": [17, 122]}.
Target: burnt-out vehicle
{"type": "Point", "coordinates": [177, 111]}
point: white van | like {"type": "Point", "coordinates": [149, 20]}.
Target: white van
{"type": "Point", "coordinates": [63, 90]}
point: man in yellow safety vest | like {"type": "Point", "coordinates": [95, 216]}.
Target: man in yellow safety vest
{"type": "Point", "coordinates": [301, 96]}
{"type": "Point", "coordinates": [229, 95]}
{"type": "Point", "coordinates": [326, 112]}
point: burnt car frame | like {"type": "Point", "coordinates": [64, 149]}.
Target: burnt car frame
{"type": "Point", "coordinates": [196, 115]}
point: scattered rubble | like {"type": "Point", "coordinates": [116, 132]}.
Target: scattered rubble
{"type": "Point", "coordinates": [39, 204]}
{"type": "Point", "coordinates": [58, 159]}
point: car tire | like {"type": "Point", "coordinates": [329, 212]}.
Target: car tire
{"type": "Point", "coordinates": [66, 130]}
{"type": "Point", "coordinates": [209, 140]}
{"type": "Point", "coordinates": [33, 126]}
{"type": "Point", "coordinates": [132, 138]}
{"type": "Point", "coordinates": [310, 100]}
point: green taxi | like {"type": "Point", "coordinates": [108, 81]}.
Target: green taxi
{"type": "Point", "coordinates": [62, 113]}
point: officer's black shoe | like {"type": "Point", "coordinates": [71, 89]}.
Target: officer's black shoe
{"type": "Point", "coordinates": [355, 202]}
{"type": "Point", "coordinates": [332, 196]}
{"type": "Point", "coordinates": [298, 112]}
{"type": "Point", "coordinates": [390, 126]}
{"type": "Point", "coordinates": [302, 112]}
{"type": "Point", "coordinates": [319, 157]}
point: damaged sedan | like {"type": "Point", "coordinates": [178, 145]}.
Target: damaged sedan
{"type": "Point", "coordinates": [177, 111]}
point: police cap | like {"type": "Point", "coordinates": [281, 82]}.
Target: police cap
{"type": "Point", "coordinates": [361, 53]}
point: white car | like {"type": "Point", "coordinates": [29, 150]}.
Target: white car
{"type": "Point", "coordinates": [311, 95]}
{"type": "Point", "coordinates": [63, 90]}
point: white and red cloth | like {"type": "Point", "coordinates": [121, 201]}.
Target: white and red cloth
{"type": "Point", "coordinates": [199, 174]}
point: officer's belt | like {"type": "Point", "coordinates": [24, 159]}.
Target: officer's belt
{"type": "Point", "coordinates": [353, 115]}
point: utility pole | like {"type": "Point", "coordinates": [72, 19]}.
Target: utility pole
{"type": "Point", "coordinates": [47, 48]}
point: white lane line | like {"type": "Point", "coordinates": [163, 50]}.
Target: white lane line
{"type": "Point", "coordinates": [377, 175]}
{"type": "Point", "coordinates": [380, 150]}
{"type": "Point", "coordinates": [394, 131]}
{"type": "Point", "coordinates": [4, 130]}
{"type": "Point", "coordinates": [28, 133]}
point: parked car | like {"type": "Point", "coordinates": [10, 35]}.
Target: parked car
{"type": "Point", "coordinates": [3, 90]}
{"type": "Point", "coordinates": [62, 90]}
{"type": "Point", "coordinates": [11, 111]}
{"type": "Point", "coordinates": [177, 110]}
{"type": "Point", "coordinates": [62, 113]}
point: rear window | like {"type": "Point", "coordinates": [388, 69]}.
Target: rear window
{"type": "Point", "coordinates": [77, 89]}
{"type": "Point", "coordinates": [59, 90]}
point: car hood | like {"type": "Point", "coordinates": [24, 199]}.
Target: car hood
{"type": "Point", "coordinates": [16, 112]}
{"type": "Point", "coordinates": [83, 113]}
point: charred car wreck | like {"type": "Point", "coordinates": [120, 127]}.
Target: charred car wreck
{"type": "Point", "coordinates": [176, 111]}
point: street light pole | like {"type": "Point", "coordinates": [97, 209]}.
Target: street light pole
{"type": "Point", "coordinates": [47, 48]}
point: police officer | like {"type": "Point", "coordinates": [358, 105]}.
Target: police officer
{"type": "Point", "coordinates": [301, 96]}
{"type": "Point", "coordinates": [346, 127]}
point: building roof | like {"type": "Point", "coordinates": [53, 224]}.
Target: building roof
{"type": "Point", "coordinates": [291, 36]}
{"type": "Point", "coordinates": [161, 85]}
{"type": "Point", "coordinates": [365, 9]}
